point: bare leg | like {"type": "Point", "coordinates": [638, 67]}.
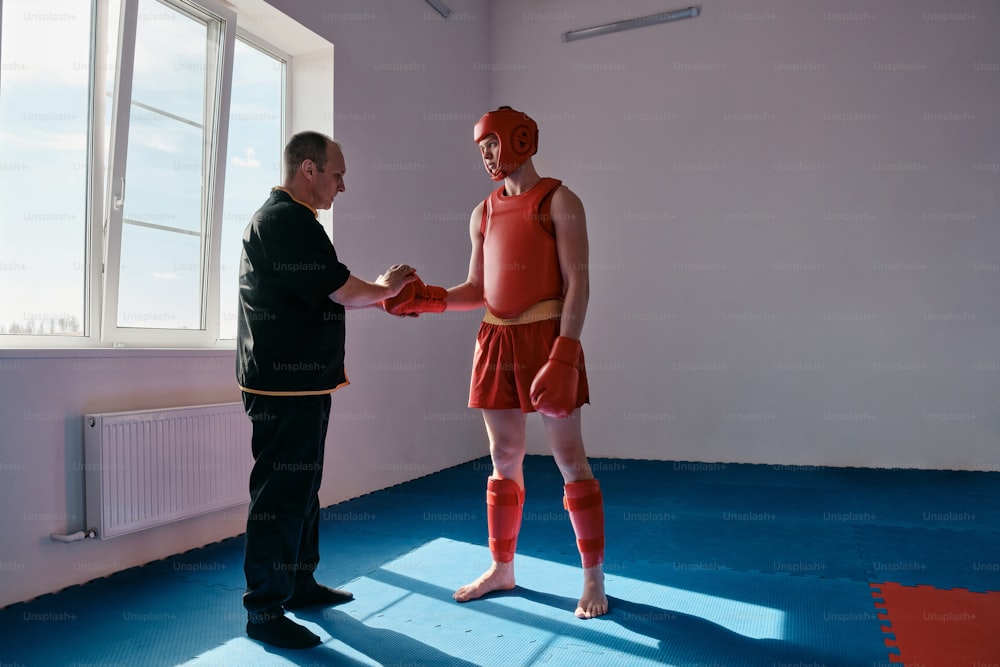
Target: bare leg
{"type": "Point", "coordinates": [507, 444]}
{"type": "Point", "coordinates": [566, 441]}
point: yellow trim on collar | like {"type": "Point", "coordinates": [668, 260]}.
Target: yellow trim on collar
{"type": "Point", "coordinates": [297, 201]}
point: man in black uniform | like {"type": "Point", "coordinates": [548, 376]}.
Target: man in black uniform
{"type": "Point", "coordinates": [289, 359]}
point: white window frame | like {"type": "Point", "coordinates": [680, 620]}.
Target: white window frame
{"type": "Point", "coordinates": [265, 27]}
{"type": "Point", "coordinates": [215, 172]}
{"type": "Point", "coordinates": [286, 113]}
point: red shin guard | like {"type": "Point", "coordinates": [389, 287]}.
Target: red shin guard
{"type": "Point", "coordinates": [585, 504]}
{"type": "Point", "coordinates": [504, 505]}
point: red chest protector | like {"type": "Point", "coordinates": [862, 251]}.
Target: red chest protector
{"type": "Point", "coordinates": [520, 263]}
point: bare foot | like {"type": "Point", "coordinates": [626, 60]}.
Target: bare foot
{"type": "Point", "coordinates": [500, 577]}
{"type": "Point", "coordinates": [593, 602]}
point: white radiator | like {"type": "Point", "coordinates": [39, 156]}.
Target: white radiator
{"type": "Point", "coordinates": [146, 468]}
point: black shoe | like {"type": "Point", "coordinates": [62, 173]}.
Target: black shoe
{"type": "Point", "coordinates": [282, 632]}
{"type": "Point", "coordinates": [318, 595]}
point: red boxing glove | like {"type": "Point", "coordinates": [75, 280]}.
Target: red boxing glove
{"type": "Point", "coordinates": [416, 298]}
{"type": "Point", "coordinates": [554, 389]}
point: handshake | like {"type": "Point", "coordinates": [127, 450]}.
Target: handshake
{"type": "Point", "coordinates": [416, 298]}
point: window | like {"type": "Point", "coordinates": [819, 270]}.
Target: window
{"type": "Point", "coordinates": [44, 120]}
{"type": "Point", "coordinates": [164, 160]}
{"type": "Point", "coordinates": [115, 227]}
{"type": "Point", "coordinates": [256, 139]}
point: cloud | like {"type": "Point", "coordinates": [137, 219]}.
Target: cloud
{"type": "Point", "coordinates": [157, 141]}
{"type": "Point", "coordinates": [28, 43]}
{"type": "Point", "coordinates": [27, 138]}
{"type": "Point", "coordinates": [249, 161]}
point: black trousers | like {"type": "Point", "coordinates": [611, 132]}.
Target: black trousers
{"type": "Point", "coordinates": [282, 538]}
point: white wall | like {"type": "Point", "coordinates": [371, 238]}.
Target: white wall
{"type": "Point", "coordinates": [402, 417]}
{"type": "Point", "coordinates": [45, 393]}
{"type": "Point", "coordinates": [793, 216]}
{"type": "Point", "coordinates": [794, 236]}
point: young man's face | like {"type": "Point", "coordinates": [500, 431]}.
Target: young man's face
{"type": "Point", "coordinates": [490, 149]}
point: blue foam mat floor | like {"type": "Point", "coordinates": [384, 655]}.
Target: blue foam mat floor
{"type": "Point", "coordinates": [707, 564]}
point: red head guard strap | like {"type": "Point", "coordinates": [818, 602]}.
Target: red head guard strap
{"type": "Point", "coordinates": [518, 137]}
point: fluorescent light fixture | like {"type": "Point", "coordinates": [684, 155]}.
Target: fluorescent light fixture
{"type": "Point", "coordinates": [442, 9]}
{"type": "Point", "coordinates": [629, 24]}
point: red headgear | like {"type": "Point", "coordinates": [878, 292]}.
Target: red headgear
{"type": "Point", "coordinates": [518, 137]}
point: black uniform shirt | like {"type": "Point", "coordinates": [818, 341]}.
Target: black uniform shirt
{"type": "Point", "coordinates": [289, 333]}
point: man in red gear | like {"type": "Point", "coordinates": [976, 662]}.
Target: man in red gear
{"type": "Point", "coordinates": [529, 267]}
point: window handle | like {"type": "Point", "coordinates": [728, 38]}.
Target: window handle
{"type": "Point", "coordinates": [119, 200]}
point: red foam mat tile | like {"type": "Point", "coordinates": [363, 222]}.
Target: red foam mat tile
{"type": "Point", "coordinates": [934, 627]}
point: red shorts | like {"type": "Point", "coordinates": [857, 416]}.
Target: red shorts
{"type": "Point", "coordinates": [508, 356]}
